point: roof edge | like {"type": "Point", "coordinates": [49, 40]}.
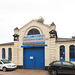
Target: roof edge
{"type": "Point", "coordinates": [65, 40]}
{"type": "Point", "coordinates": [9, 43]}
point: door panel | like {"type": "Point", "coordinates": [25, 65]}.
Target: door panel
{"type": "Point", "coordinates": [67, 67]}
{"type": "Point", "coordinates": [28, 60]}
{"type": "Point", "coordinates": [39, 58]}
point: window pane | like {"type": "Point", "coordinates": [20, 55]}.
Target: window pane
{"type": "Point", "coordinates": [9, 53]}
{"type": "Point", "coordinates": [71, 54]}
{"type": "Point", "coordinates": [62, 52]}
{"type": "Point", "coordinates": [3, 53]}
{"type": "Point", "coordinates": [57, 63]}
{"type": "Point", "coordinates": [72, 51]}
{"type": "Point", "coordinates": [62, 47]}
{"type": "Point", "coordinates": [33, 32]}
{"type": "Point", "coordinates": [5, 61]}
{"type": "Point", "coordinates": [72, 48]}
{"type": "Point", "coordinates": [67, 64]}
{"type": "Point", "coordinates": [36, 31]}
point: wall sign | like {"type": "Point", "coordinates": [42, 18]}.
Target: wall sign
{"type": "Point", "coordinates": [33, 39]}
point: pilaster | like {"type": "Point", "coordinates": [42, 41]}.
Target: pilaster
{"type": "Point", "coordinates": [52, 49]}
{"type": "Point", "coordinates": [16, 52]}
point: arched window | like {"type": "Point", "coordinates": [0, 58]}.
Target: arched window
{"type": "Point", "coordinates": [9, 54]}
{"type": "Point", "coordinates": [62, 53]}
{"type": "Point", "coordinates": [3, 53]}
{"type": "Point", "coordinates": [33, 32]}
{"type": "Point", "coordinates": [72, 53]}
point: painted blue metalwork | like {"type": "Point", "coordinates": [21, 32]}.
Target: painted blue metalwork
{"type": "Point", "coordinates": [72, 59]}
{"type": "Point", "coordinates": [33, 46]}
{"type": "Point", "coordinates": [63, 58]}
{"type": "Point", "coordinates": [23, 58]}
{"type": "Point", "coordinates": [40, 45]}
{"type": "Point", "coordinates": [34, 58]}
{"type": "Point", "coordinates": [28, 63]}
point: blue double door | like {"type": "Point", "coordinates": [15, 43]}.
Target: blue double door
{"type": "Point", "coordinates": [34, 58]}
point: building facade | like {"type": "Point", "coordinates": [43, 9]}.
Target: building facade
{"type": "Point", "coordinates": [36, 45]}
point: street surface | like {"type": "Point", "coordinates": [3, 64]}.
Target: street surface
{"type": "Point", "coordinates": [25, 72]}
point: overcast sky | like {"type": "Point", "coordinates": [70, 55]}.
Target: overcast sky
{"type": "Point", "coordinates": [16, 13]}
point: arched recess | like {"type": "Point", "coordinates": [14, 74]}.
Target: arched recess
{"type": "Point", "coordinates": [3, 53]}
{"type": "Point", "coordinates": [9, 54]}
{"type": "Point", "coordinates": [33, 32]}
{"type": "Point", "coordinates": [72, 52]}
{"type": "Point", "coordinates": [33, 27]}
{"type": "Point", "coordinates": [62, 53]}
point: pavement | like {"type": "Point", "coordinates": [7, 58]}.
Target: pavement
{"type": "Point", "coordinates": [25, 72]}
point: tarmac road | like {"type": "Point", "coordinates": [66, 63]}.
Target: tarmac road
{"type": "Point", "coordinates": [25, 72]}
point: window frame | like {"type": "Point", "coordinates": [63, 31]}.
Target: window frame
{"type": "Point", "coordinates": [3, 53]}
{"type": "Point", "coordinates": [71, 59]}
{"type": "Point", "coordinates": [33, 32]}
{"type": "Point", "coordinates": [10, 52]}
{"type": "Point", "coordinates": [62, 59]}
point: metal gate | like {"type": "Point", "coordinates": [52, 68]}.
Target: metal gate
{"type": "Point", "coordinates": [34, 58]}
